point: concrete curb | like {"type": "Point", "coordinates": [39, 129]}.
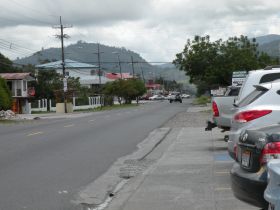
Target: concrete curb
{"type": "Point", "coordinates": [106, 186]}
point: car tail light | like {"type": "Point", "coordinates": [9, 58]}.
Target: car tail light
{"type": "Point", "coordinates": [215, 109]}
{"type": "Point", "coordinates": [270, 151]}
{"type": "Point", "coordinates": [243, 117]}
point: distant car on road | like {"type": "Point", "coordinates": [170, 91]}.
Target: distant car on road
{"type": "Point", "coordinates": [157, 97]}
{"type": "Point", "coordinates": [185, 96]}
{"type": "Point", "coordinates": [255, 148]}
{"type": "Point", "coordinates": [175, 98]}
{"type": "Point", "coordinates": [145, 97]}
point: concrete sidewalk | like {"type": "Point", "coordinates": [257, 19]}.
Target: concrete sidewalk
{"type": "Point", "coordinates": [192, 172]}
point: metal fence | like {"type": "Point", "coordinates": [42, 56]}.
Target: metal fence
{"type": "Point", "coordinates": [78, 104]}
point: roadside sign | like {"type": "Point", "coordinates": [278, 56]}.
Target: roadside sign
{"type": "Point", "coordinates": [218, 92]}
{"type": "Point", "coordinates": [238, 77]}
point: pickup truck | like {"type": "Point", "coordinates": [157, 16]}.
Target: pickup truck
{"type": "Point", "coordinates": [223, 108]}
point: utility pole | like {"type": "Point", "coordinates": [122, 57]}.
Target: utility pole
{"type": "Point", "coordinates": [61, 37]}
{"type": "Point", "coordinates": [143, 75]}
{"type": "Point", "coordinates": [132, 62]}
{"type": "Point", "coordinates": [142, 72]}
{"type": "Point", "coordinates": [118, 54]}
{"type": "Point", "coordinates": [99, 68]}
{"type": "Point", "coordinates": [99, 65]}
{"type": "Point", "coordinates": [120, 65]}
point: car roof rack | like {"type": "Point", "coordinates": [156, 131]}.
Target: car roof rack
{"type": "Point", "coordinates": [271, 67]}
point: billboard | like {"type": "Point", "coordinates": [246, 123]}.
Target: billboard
{"type": "Point", "coordinates": [238, 77]}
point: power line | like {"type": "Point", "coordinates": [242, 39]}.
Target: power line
{"type": "Point", "coordinates": [11, 48]}
{"type": "Point", "coordinates": [20, 46]}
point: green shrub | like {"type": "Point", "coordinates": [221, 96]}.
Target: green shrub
{"type": "Point", "coordinates": [202, 100]}
{"type": "Point", "coordinates": [5, 95]}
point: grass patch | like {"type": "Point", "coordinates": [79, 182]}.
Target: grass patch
{"type": "Point", "coordinates": [202, 100]}
{"type": "Point", "coordinates": [41, 112]}
{"type": "Point", "coordinates": [7, 122]}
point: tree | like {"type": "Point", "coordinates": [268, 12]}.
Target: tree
{"type": "Point", "coordinates": [49, 85]}
{"type": "Point", "coordinates": [5, 95]}
{"type": "Point", "coordinates": [126, 89]}
{"type": "Point", "coordinates": [47, 82]}
{"type": "Point", "coordinates": [212, 63]}
{"type": "Point", "coordinates": [6, 65]}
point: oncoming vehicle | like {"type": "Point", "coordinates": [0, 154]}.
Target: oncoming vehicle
{"type": "Point", "coordinates": [185, 96]}
{"type": "Point", "coordinates": [175, 98]}
{"type": "Point", "coordinates": [156, 97]}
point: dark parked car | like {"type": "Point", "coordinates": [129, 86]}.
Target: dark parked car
{"type": "Point", "coordinates": [249, 173]}
{"type": "Point", "coordinates": [176, 97]}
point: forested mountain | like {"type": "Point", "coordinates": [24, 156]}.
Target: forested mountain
{"type": "Point", "coordinates": [269, 44]}
{"type": "Point", "coordinates": [109, 60]}
{"type": "Point", "coordinates": [267, 39]}
{"type": "Point", "coordinates": [87, 53]}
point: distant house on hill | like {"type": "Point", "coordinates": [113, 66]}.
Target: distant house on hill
{"type": "Point", "coordinates": [87, 73]}
{"type": "Point", "coordinates": [21, 92]}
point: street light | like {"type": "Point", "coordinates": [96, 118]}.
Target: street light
{"type": "Point", "coordinates": [118, 54]}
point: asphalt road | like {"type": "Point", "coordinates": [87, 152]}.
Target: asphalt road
{"type": "Point", "coordinates": [44, 163]}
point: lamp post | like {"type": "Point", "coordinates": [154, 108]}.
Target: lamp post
{"type": "Point", "coordinates": [118, 54]}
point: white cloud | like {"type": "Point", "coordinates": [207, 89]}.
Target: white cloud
{"type": "Point", "coordinates": [156, 29]}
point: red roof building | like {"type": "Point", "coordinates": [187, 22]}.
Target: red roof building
{"type": "Point", "coordinates": [18, 85]}
{"type": "Point", "coordinates": [115, 76]}
{"type": "Point", "coordinates": [17, 76]}
{"type": "Point", "coordinates": [153, 86]}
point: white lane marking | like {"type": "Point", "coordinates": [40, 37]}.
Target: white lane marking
{"type": "Point", "coordinates": [63, 192]}
{"type": "Point", "coordinates": [91, 120]}
{"type": "Point", "coordinates": [67, 126]}
{"type": "Point", "coordinates": [35, 133]}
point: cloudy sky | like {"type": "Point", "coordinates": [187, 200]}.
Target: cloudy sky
{"type": "Point", "coordinates": [156, 29]}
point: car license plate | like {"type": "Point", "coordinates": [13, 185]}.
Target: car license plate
{"type": "Point", "coordinates": [245, 158]}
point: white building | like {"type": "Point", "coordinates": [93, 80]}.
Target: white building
{"type": "Point", "coordinates": [87, 73]}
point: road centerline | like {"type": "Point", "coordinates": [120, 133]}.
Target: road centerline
{"type": "Point", "coordinates": [67, 126]}
{"type": "Point", "coordinates": [35, 133]}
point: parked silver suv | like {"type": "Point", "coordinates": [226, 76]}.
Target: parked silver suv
{"type": "Point", "coordinates": [260, 108]}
